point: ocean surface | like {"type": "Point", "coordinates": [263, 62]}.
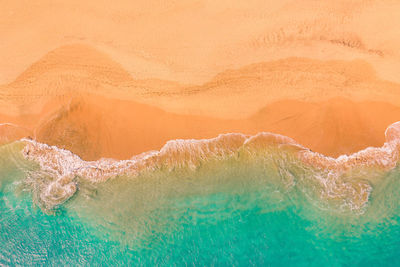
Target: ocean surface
{"type": "Point", "coordinates": [232, 201]}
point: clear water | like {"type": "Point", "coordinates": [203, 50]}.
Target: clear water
{"type": "Point", "coordinates": [225, 213]}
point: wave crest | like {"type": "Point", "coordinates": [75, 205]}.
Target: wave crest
{"type": "Point", "coordinates": [345, 179]}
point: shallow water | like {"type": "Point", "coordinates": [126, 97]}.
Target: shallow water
{"type": "Point", "coordinates": [258, 208]}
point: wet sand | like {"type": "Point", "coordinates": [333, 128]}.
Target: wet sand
{"type": "Point", "coordinates": [80, 99]}
{"type": "Point", "coordinates": [325, 76]}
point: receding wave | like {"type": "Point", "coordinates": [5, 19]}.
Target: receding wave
{"type": "Point", "coordinates": [345, 181]}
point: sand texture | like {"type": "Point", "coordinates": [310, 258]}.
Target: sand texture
{"type": "Point", "coordinates": [130, 77]}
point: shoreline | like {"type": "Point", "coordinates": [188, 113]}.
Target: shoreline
{"type": "Point", "coordinates": [66, 168]}
{"type": "Point", "coordinates": [94, 127]}
{"type": "Point", "coordinates": [80, 99]}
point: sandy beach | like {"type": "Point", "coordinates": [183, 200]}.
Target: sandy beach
{"type": "Point", "coordinates": [79, 99]}
{"type": "Point", "coordinates": [199, 133]}
{"type": "Point", "coordinates": [333, 91]}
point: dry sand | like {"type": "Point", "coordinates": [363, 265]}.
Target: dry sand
{"type": "Point", "coordinates": [130, 77]}
{"type": "Point", "coordinates": [190, 41]}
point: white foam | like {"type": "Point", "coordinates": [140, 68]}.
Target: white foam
{"type": "Point", "coordinates": [64, 166]}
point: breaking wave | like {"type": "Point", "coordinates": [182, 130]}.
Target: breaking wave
{"type": "Point", "coordinates": [345, 181]}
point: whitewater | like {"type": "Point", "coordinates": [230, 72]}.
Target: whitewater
{"type": "Point", "coordinates": [233, 199]}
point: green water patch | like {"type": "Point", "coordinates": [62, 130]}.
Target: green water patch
{"type": "Point", "coordinates": [240, 212]}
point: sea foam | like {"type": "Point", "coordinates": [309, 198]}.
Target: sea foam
{"type": "Point", "coordinates": [347, 177]}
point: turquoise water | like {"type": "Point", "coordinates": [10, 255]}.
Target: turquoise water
{"type": "Point", "coordinates": [226, 213]}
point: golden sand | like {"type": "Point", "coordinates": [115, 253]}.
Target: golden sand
{"type": "Point", "coordinates": [79, 99]}
{"type": "Point", "coordinates": [128, 78]}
